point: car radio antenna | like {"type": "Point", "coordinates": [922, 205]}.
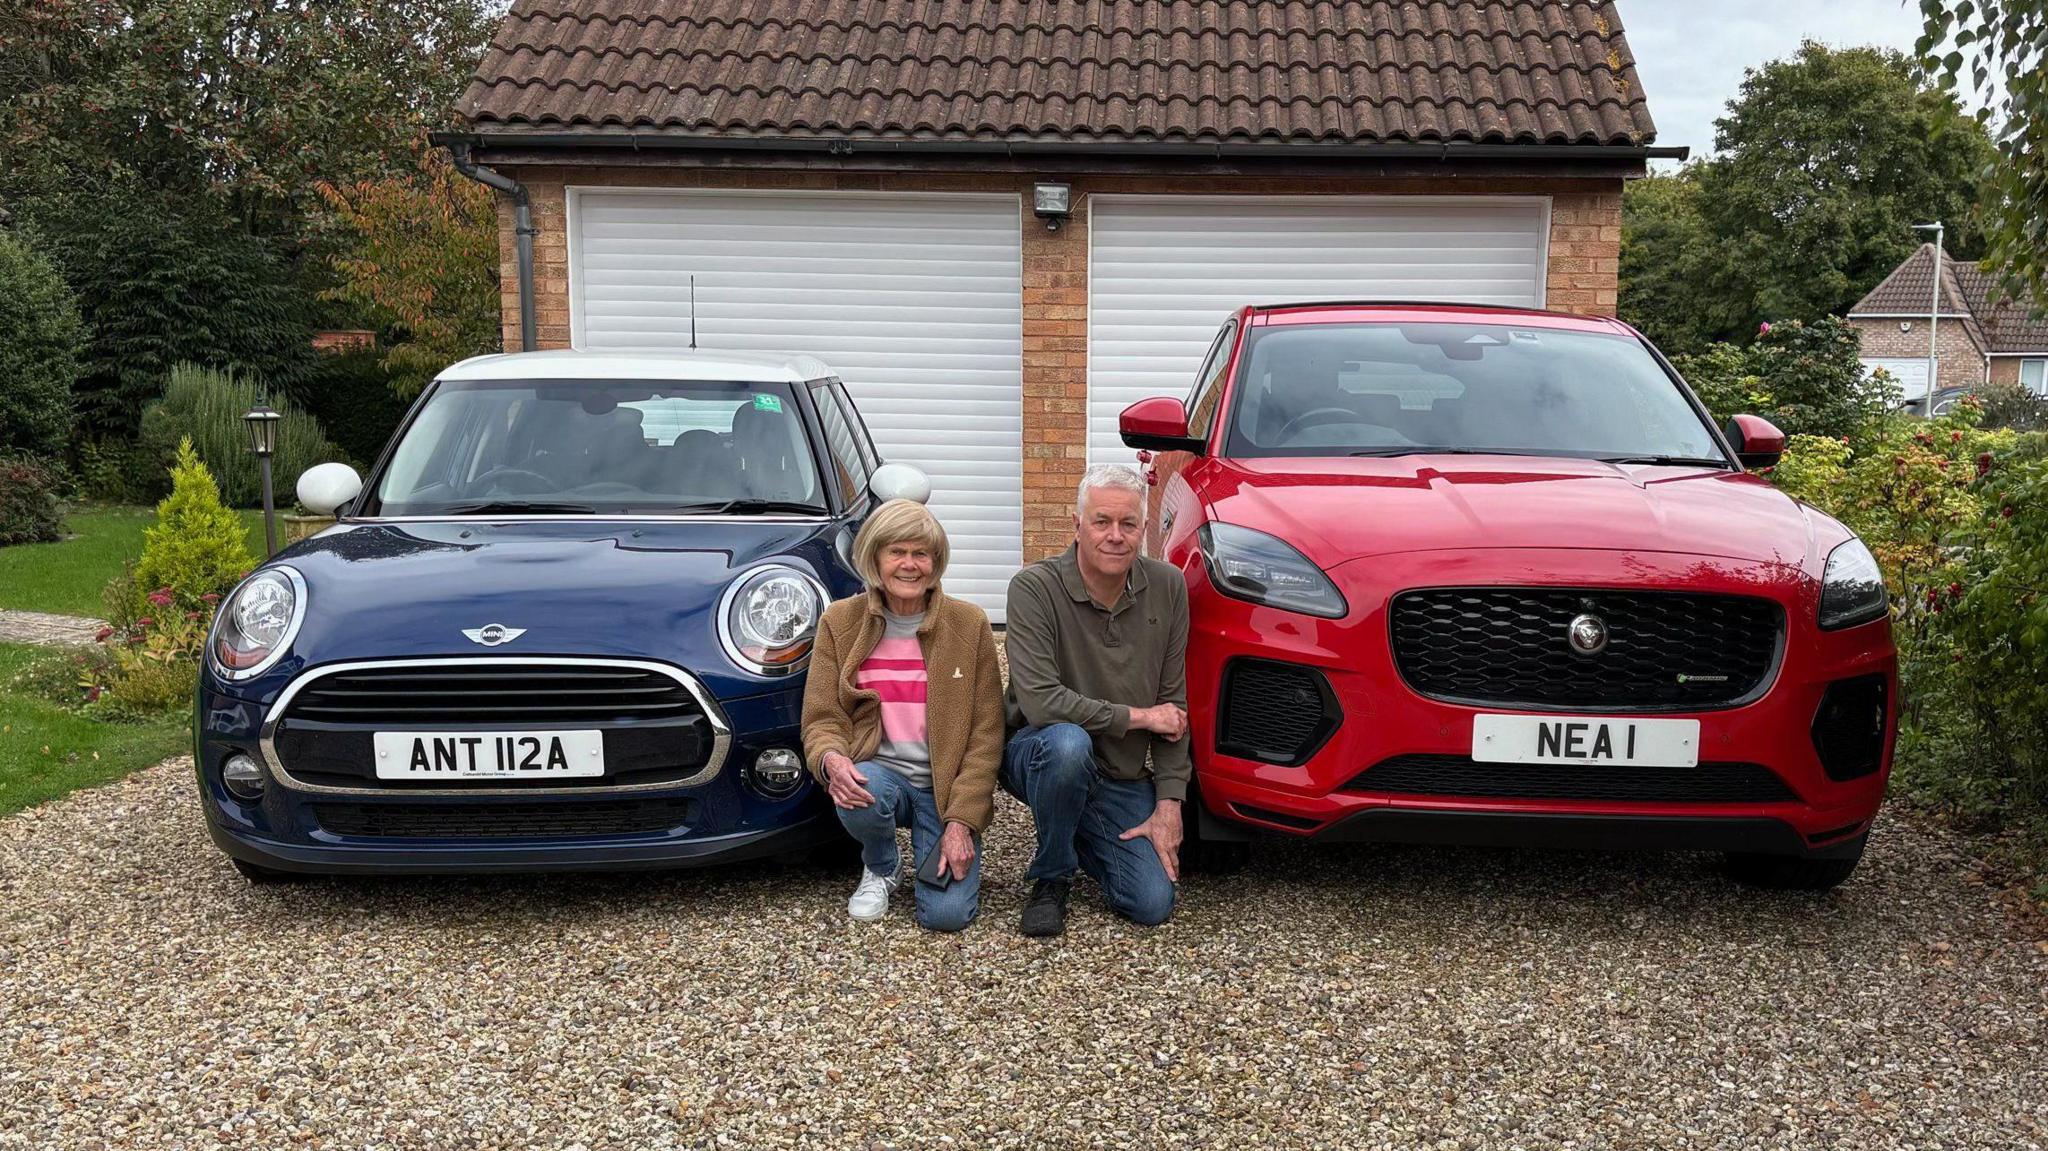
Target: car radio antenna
{"type": "Point", "coordinates": [693, 313]}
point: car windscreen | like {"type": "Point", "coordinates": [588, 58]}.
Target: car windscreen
{"type": "Point", "coordinates": [606, 446]}
{"type": "Point", "coordinates": [1395, 389]}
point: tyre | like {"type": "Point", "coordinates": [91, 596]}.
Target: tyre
{"type": "Point", "coordinates": [1795, 873]}
{"type": "Point", "coordinates": [258, 874]}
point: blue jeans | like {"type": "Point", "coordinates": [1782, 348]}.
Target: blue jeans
{"type": "Point", "coordinates": [1080, 813]}
{"type": "Point", "coordinates": [898, 804]}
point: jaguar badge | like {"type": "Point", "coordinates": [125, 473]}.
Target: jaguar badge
{"type": "Point", "coordinates": [1588, 634]}
{"type": "Point", "coordinates": [493, 634]}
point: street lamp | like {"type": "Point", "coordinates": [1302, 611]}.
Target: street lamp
{"type": "Point", "coordinates": [263, 421]}
{"type": "Point", "coordinates": [1934, 310]}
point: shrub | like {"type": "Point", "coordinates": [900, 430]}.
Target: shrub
{"type": "Point", "coordinates": [147, 669]}
{"type": "Point", "coordinates": [120, 471]}
{"type": "Point", "coordinates": [40, 352]}
{"type": "Point", "coordinates": [205, 407]}
{"type": "Point", "coordinates": [352, 398]}
{"type": "Point", "coordinates": [1806, 378]}
{"type": "Point", "coordinates": [195, 549]}
{"type": "Point", "coordinates": [2012, 406]}
{"type": "Point", "coordinates": [163, 280]}
{"type": "Point", "coordinates": [28, 502]}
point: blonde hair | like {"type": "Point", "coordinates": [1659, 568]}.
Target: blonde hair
{"type": "Point", "coordinates": [898, 522]}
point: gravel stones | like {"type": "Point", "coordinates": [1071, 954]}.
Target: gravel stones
{"type": "Point", "coordinates": [1346, 997]}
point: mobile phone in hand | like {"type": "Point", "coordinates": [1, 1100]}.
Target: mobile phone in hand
{"type": "Point", "coordinates": [930, 874]}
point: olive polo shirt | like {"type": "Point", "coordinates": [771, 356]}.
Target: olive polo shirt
{"type": "Point", "coordinates": [1074, 661]}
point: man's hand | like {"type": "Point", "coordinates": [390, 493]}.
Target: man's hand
{"type": "Point", "coordinates": [1166, 719]}
{"type": "Point", "coordinates": [956, 850]}
{"type": "Point", "coordinates": [1163, 829]}
{"type": "Point", "coordinates": [845, 783]}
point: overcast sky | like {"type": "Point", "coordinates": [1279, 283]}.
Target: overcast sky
{"type": "Point", "coordinates": [1690, 54]}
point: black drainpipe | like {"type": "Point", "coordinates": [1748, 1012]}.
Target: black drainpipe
{"type": "Point", "coordinates": [522, 225]}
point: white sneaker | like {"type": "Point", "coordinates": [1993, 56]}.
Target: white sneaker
{"type": "Point", "coordinates": [871, 899]}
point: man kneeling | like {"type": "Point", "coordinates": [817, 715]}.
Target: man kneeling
{"type": "Point", "coordinates": [1097, 640]}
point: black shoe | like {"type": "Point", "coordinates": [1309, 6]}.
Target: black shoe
{"type": "Point", "coordinates": [1046, 914]}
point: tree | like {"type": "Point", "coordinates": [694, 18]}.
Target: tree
{"type": "Point", "coordinates": [420, 252]}
{"type": "Point", "coordinates": [1662, 237]}
{"type": "Point", "coordinates": [40, 352]}
{"type": "Point", "coordinates": [1822, 166]}
{"type": "Point", "coordinates": [2008, 40]}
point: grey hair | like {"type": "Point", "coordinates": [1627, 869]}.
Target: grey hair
{"type": "Point", "coordinates": [1120, 477]}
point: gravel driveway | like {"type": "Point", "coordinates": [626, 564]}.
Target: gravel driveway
{"type": "Point", "coordinates": [1357, 997]}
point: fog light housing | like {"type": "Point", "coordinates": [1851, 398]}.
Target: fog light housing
{"type": "Point", "coordinates": [1849, 727]}
{"type": "Point", "coordinates": [777, 772]}
{"type": "Point", "coordinates": [242, 777]}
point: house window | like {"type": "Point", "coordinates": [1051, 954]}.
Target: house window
{"type": "Point", "coordinates": [2034, 376]}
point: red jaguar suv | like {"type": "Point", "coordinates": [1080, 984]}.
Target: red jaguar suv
{"type": "Point", "coordinates": [1480, 575]}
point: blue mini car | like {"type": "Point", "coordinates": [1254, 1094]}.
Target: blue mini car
{"type": "Point", "coordinates": [564, 624]}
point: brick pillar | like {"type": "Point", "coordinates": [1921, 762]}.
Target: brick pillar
{"type": "Point", "coordinates": [1055, 377]}
{"type": "Point", "coordinates": [1585, 252]}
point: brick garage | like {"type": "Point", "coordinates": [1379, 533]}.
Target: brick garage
{"type": "Point", "coordinates": [1533, 104]}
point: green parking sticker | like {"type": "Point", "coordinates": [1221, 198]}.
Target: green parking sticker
{"type": "Point", "coordinates": [767, 403]}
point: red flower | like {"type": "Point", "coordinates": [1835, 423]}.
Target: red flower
{"type": "Point", "coordinates": [1764, 329]}
{"type": "Point", "coordinates": [2005, 512]}
{"type": "Point", "coordinates": [92, 693]}
{"type": "Point", "coordinates": [161, 597]}
{"type": "Point", "coordinates": [1955, 437]}
{"type": "Point", "coordinates": [210, 597]}
{"type": "Point", "coordinates": [1983, 463]}
{"type": "Point", "coordinates": [145, 621]}
{"type": "Point", "coordinates": [1955, 591]}
{"type": "Point", "coordinates": [101, 635]}
{"type": "Point", "coordinates": [1933, 598]}
{"type": "Point", "coordinates": [191, 615]}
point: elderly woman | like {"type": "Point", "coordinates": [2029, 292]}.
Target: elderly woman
{"type": "Point", "coordinates": [903, 719]}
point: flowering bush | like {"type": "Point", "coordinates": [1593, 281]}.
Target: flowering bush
{"type": "Point", "coordinates": [149, 668]}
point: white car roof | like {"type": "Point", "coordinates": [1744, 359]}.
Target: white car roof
{"type": "Point", "coordinates": [738, 367]}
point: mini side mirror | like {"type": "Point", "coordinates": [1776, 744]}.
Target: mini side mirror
{"type": "Point", "coordinates": [1159, 424]}
{"type": "Point", "coordinates": [325, 487]}
{"type": "Point", "coordinates": [900, 482]}
{"type": "Point", "coordinates": [1758, 442]}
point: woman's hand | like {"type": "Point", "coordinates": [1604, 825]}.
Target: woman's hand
{"type": "Point", "coordinates": [845, 783]}
{"type": "Point", "coordinates": [956, 850]}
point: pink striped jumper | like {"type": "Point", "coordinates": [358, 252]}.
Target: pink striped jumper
{"type": "Point", "coordinates": [895, 672]}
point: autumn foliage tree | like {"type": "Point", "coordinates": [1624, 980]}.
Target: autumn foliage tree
{"type": "Point", "coordinates": [420, 252]}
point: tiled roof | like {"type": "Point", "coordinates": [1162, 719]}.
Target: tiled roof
{"type": "Point", "coordinates": [1485, 71]}
{"type": "Point", "coordinates": [1966, 290]}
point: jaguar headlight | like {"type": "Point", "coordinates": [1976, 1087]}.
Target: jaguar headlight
{"type": "Point", "coordinates": [1251, 565]}
{"type": "Point", "coordinates": [769, 617]}
{"type": "Point", "coordinates": [256, 623]}
{"type": "Point", "coordinates": [1852, 588]}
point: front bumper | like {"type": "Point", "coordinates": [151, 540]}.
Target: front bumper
{"type": "Point", "coordinates": [1328, 796]}
{"type": "Point", "coordinates": [716, 816]}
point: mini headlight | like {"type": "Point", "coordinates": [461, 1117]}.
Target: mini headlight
{"type": "Point", "coordinates": [1852, 588]}
{"type": "Point", "coordinates": [257, 623]}
{"type": "Point", "coordinates": [1251, 565]}
{"type": "Point", "coordinates": [769, 618]}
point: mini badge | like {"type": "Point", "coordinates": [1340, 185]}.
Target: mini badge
{"type": "Point", "coordinates": [493, 634]}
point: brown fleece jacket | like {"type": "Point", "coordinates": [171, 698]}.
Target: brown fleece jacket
{"type": "Point", "coordinates": [963, 699]}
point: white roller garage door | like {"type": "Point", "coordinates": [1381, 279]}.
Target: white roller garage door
{"type": "Point", "coordinates": [1910, 376]}
{"type": "Point", "coordinates": [915, 300]}
{"type": "Point", "coordinates": [1165, 271]}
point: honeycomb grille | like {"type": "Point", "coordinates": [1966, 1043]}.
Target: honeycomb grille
{"type": "Point", "coordinates": [1274, 712]}
{"type": "Point", "coordinates": [1455, 775]}
{"type": "Point", "coordinates": [1669, 651]}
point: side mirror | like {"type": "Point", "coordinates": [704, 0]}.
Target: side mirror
{"type": "Point", "coordinates": [900, 482]}
{"type": "Point", "coordinates": [1159, 424]}
{"type": "Point", "coordinates": [1758, 442]}
{"type": "Point", "coordinates": [325, 487]}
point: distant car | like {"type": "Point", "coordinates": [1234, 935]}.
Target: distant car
{"type": "Point", "coordinates": [564, 625]}
{"type": "Point", "coordinates": [1492, 576]}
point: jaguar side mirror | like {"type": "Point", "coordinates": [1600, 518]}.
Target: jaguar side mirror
{"type": "Point", "coordinates": [1758, 442]}
{"type": "Point", "coordinates": [1159, 424]}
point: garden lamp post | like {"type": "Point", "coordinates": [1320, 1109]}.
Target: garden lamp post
{"type": "Point", "coordinates": [262, 421]}
{"type": "Point", "coordinates": [1940, 230]}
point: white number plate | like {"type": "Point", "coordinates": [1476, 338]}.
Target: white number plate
{"type": "Point", "coordinates": [1586, 739]}
{"type": "Point", "coordinates": [488, 754]}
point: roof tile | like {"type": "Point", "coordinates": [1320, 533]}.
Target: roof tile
{"type": "Point", "coordinates": [1490, 71]}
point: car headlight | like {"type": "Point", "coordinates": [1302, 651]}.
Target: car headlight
{"type": "Point", "coordinates": [1852, 588]}
{"type": "Point", "coordinates": [1251, 565]}
{"type": "Point", "coordinates": [256, 624]}
{"type": "Point", "coordinates": [769, 617]}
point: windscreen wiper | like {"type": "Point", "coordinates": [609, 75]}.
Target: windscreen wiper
{"type": "Point", "coordinates": [1390, 452]}
{"type": "Point", "coordinates": [517, 507]}
{"type": "Point", "coordinates": [747, 508]}
{"type": "Point", "coordinates": [1674, 461]}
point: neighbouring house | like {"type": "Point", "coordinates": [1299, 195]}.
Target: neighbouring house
{"type": "Point", "coordinates": [1976, 341]}
{"type": "Point", "coordinates": [1002, 221]}
{"type": "Point", "coordinates": [340, 341]}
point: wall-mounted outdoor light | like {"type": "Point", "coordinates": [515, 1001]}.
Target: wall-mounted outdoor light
{"type": "Point", "coordinates": [1052, 203]}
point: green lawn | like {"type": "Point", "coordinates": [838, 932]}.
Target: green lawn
{"type": "Point", "coordinates": [46, 751]}
{"type": "Point", "coordinates": [66, 577]}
